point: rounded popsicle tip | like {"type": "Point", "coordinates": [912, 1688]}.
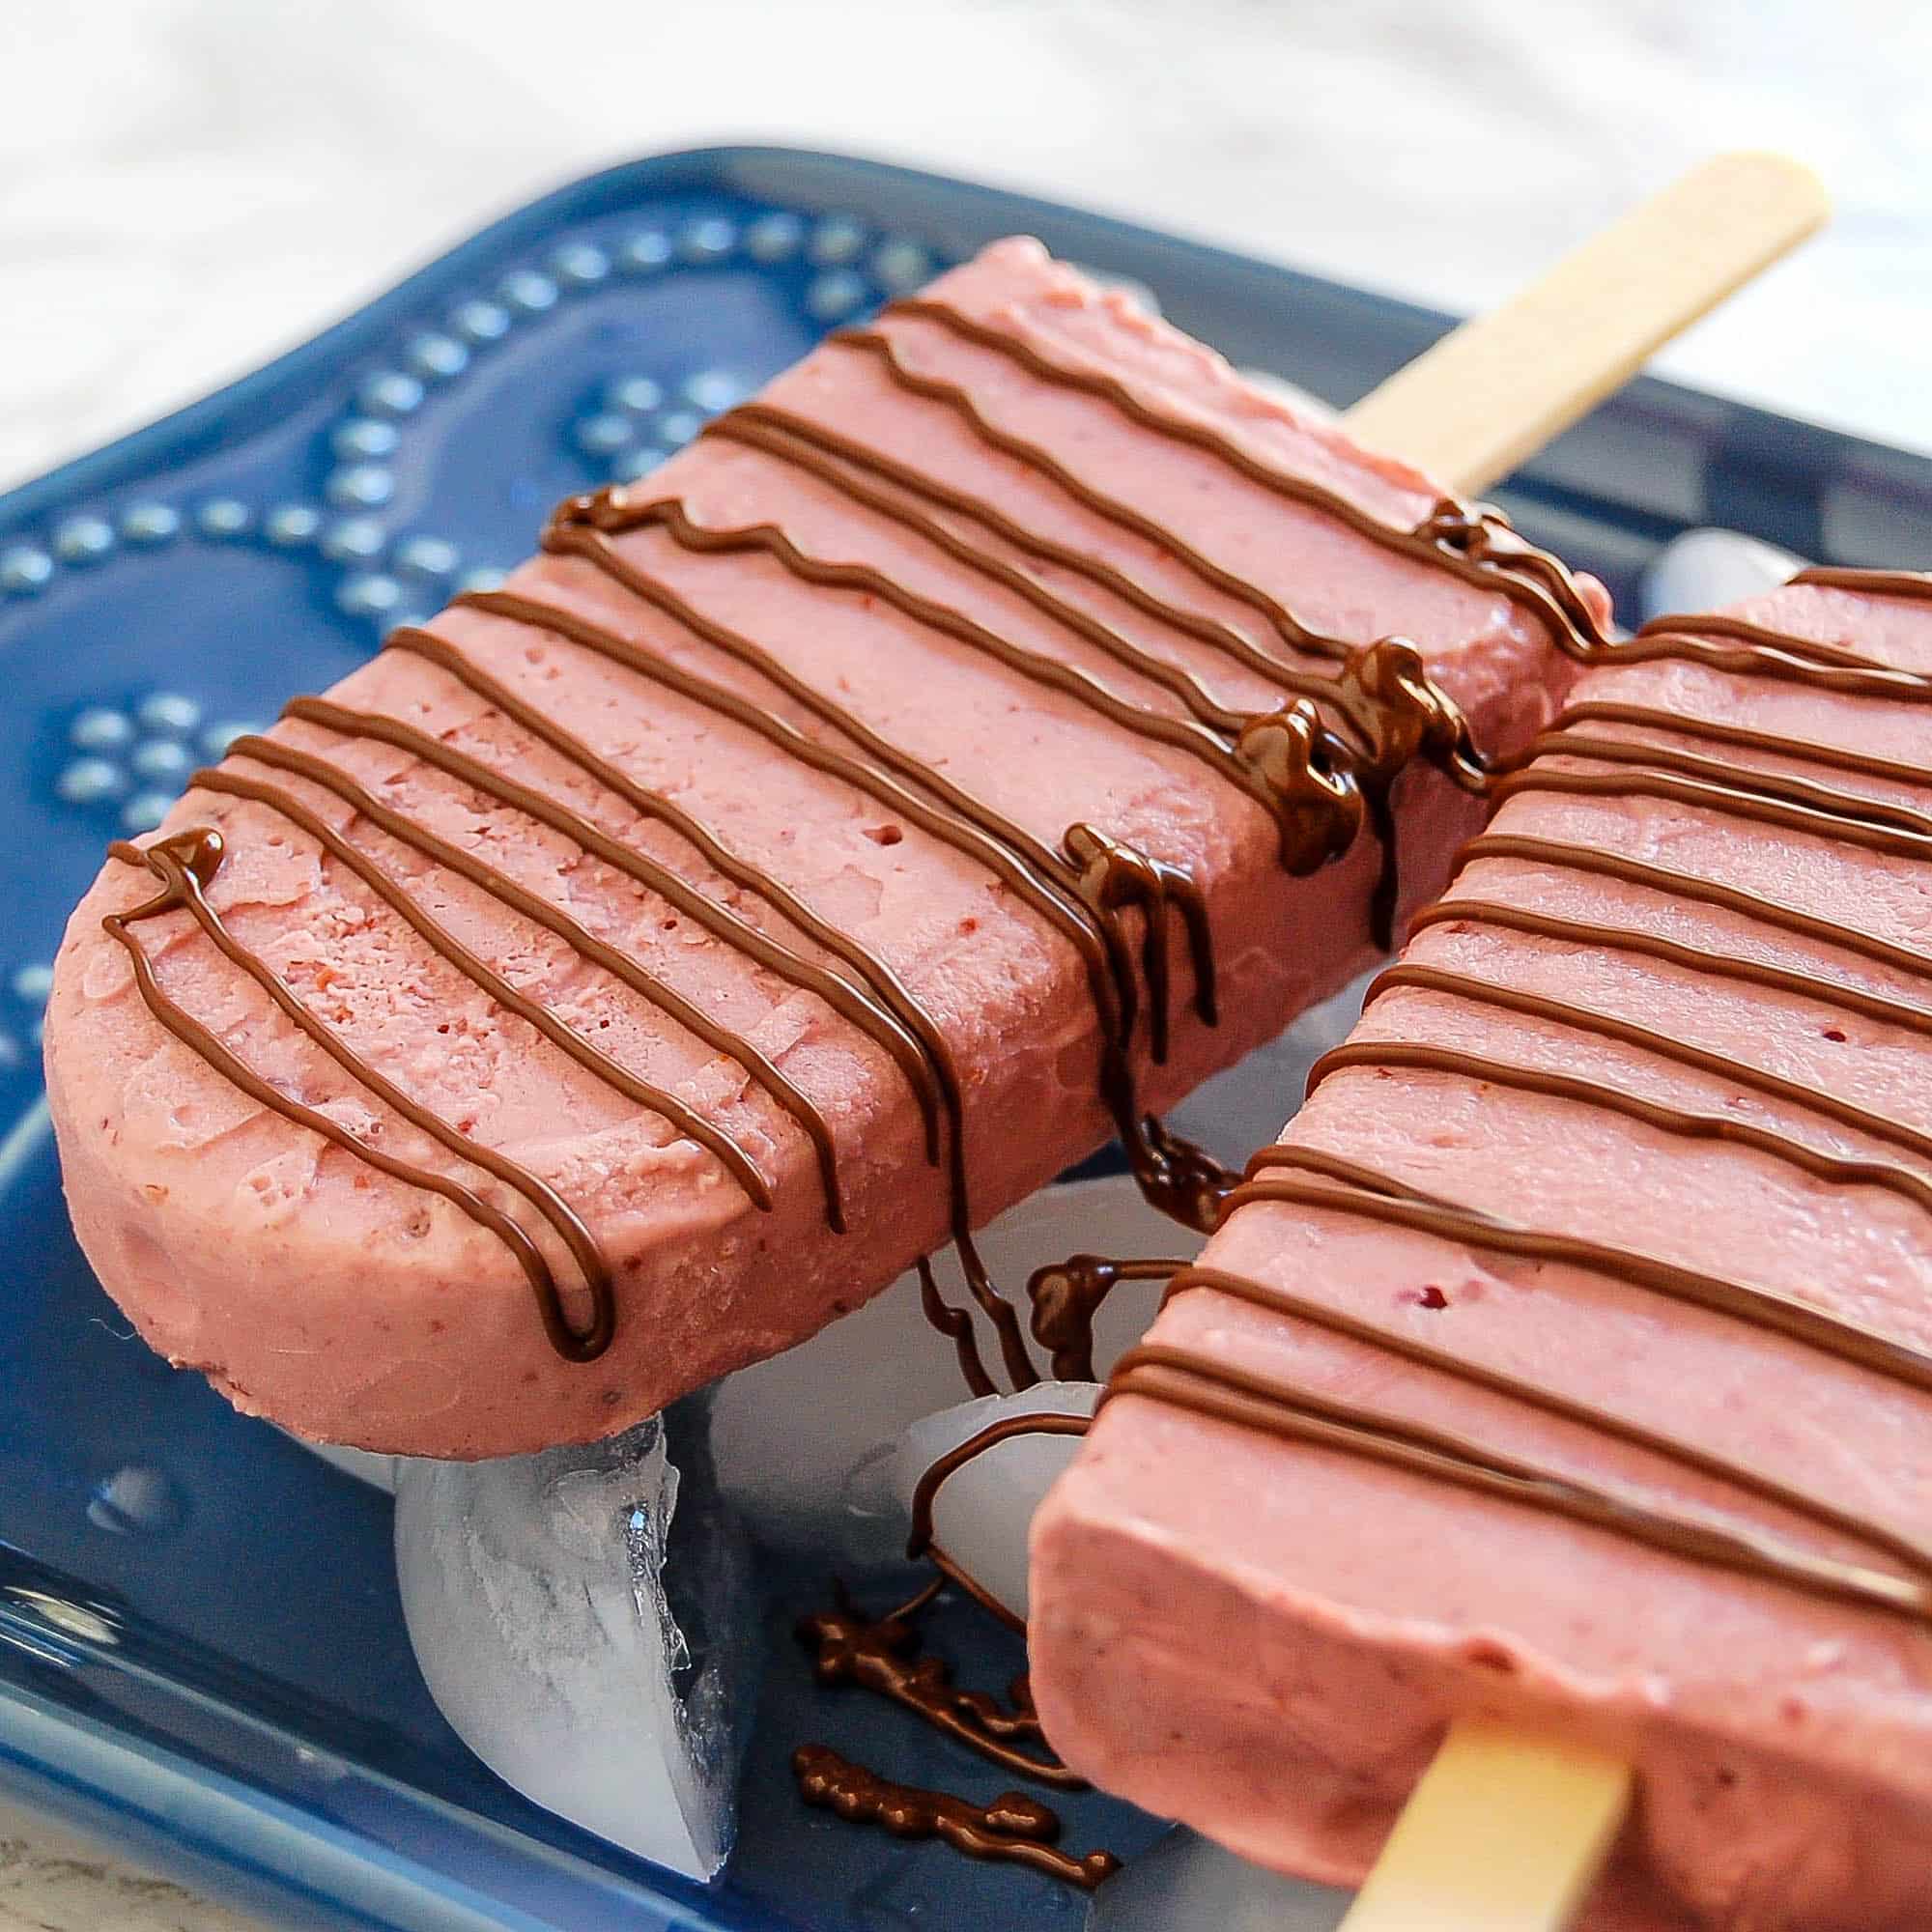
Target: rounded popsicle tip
{"type": "Point", "coordinates": [1769, 176]}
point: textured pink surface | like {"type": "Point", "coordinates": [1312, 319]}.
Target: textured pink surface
{"type": "Point", "coordinates": [350, 1308]}
{"type": "Point", "coordinates": [1267, 1641]}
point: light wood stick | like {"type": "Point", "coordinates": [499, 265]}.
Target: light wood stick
{"type": "Point", "coordinates": [1503, 1833]}
{"type": "Point", "coordinates": [1506, 1831]}
{"type": "Point", "coordinates": [1496, 389]}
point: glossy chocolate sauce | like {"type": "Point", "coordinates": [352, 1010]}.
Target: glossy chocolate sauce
{"type": "Point", "coordinates": [1067, 1296]}
{"type": "Point", "coordinates": [184, 865]}
{"type": "Point", "coordinates": [1014, 1829]}
{"type": "Point", "coordinates": [1007, 1428]}
{"type": "Point", "coordinates": [1621, 767]}
{"type": "Point", "coordinates": [1352, 717]}
{"type": "Point", "coordinates": [883, 1654]}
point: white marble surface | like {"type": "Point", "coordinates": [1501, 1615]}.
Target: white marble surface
{"type": "Point", "coordinates": [188, 185]}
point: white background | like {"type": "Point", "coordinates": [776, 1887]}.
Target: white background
{"type": "Point", "coordinates": [188, 185]}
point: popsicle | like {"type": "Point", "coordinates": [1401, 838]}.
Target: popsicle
{"type": "Point", "coordinates": [1564, 1380]}
{"type": "Point", "coordinates": [817, 846]}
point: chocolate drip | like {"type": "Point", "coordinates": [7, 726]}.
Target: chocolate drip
{"type": "Point", "coordinates": [925, 1493]}
{"type": "Point", "coordinates": [956, 1325]}
{"type": "Point", "coordinates": [883, 1654]}
{"type": "Point", "coordinates": [1068, 1294]}
{"type": "Point", "coordinates": [1326, 1182]}
{"type": "Point", "coordinates": [186, 864]}
{"type": "Point", "coordinates": [1483, 537]}
{"type": "Point", "coordinates": [1014, 1829]}
{"type": "Point", "coordinates": [1114, 875]}
{"type": "Point", "coordinates": [1176, 1178]}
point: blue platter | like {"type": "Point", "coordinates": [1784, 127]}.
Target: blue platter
{"type": "Point", "coordinates": [201, 1650]}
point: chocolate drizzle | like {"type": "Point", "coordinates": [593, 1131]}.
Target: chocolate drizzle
{"type": "Point", "coordinates": [956, 1325]}
{"type": "Point", "coordinates": [1474, 542]}
{"type": "Point", "coordinates": [1228, 1394]}
{"type": "Point", "coordinates": [921, 1542]}
{"type": "Point", "coordinates": [883, 1654]}
{"type": "Point", "coordinates": [1320, 763]}
{"type": "Point", "coordinates": [1013, 1828]}
{"type": "Point", "coordinates": [185, 864]}
{"type": "Point", "coordinates": [1309, 1178]}
{"type": "Point", "coordinates": [1068, 1294]}
{"type": "Point", "coordinates": [1867, 583]}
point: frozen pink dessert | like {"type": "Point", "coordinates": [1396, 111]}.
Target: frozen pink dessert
{"type": "Point", "coordinates": [815, 848]}
{"type": "Point", "coordinates": [1571, 1363]}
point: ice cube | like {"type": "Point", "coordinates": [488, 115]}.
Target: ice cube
{"type": "Point", "coordinates": [584, 1619]}
{"type": "Point", "coordinates": [364, 1465]}
{"type": "Point", "coordinates": [981, 1511]}
{"type": "Point", "coordinates": [1187, 1880]}
{"type": "Point", "coordinates": [1705, 569]}
{"type": "Point", "coordinates": [804, 1443]}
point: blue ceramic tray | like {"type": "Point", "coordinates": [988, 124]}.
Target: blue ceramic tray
{"type": "Point", "coordinates": [201, 1651]}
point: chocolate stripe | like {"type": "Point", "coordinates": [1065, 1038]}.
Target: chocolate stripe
{"type": "Point", "coordinates": [1503, 568]}
{"type": "Point", "coordinates": [446, 946]}
{"type": "Point", "coordinates": [1766, 1308]}
{"type": "Point", "coordinates": [180, 863]}
{"type": "Point", "coordinates": [1645, 1039]}
{"type": "Point", "coordinates": [1915, 1557]}
{"type": "Point", "coordinates": [765, 426]}
{"type": "Point", "coordinates": [881, 1008]}
{"type": "Point", "coordinates": [1484, 1069]}
{"type": "Point", "coordinates": [1698, 891]}
{"type": "Point", "coordinates": [1225, 1394]}
{"type": "Point", "coordinates": [1331, 1184]}
{"type": "Point", "coordinates": [1593, 935]}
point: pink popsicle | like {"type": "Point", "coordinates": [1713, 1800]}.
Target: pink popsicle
{"type": "Point", "coordinates": [1664, 1492]}
{"type": "Point", "coordinates": [1011, 562]}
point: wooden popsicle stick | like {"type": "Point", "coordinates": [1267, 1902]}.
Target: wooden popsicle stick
{"type": "Point", "coordinates": [1507, 1831]}
{"type": "Point", "coordinates": [1495, 390]}
{"type": "Point", "coordinates": [1503, 1833]}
